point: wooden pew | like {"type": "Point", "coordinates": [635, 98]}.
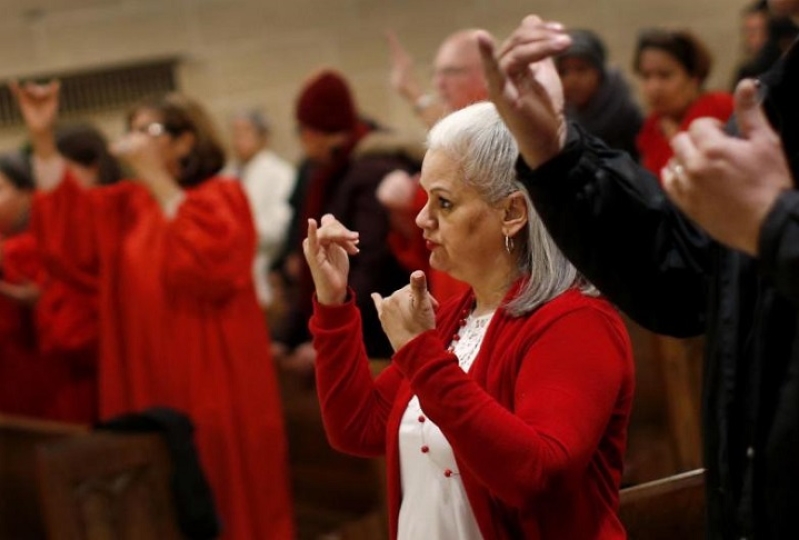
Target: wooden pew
{"type": "Point", "coordinates": [20, 513]}
{"type": "Point", "coordinates": [669, 508]}
{"type": "Point", "coordinates": [108, 486]}
{"type": "Point", "coordinates": [336, 496]}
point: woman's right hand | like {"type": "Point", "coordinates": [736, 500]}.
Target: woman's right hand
{"type": "Point", "coordinates": [38, 104]}
{"type": "Point", "coordinates": [327, 249]}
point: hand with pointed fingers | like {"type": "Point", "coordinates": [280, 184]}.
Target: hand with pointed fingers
{"type": "Point", "coordinates": [727, 185]}
{"type": "Point", "coordinates": [327, 249]}
{"type": "Point", "coordinates": [524, 85]}
{"type": "Point", "coordinates": [38, 104]}
{"type": "Point", "coordinates": [408, 312]}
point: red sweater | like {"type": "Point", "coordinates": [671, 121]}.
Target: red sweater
{"type": "Point", "coordinates": [538, 426]}
{"type": "Point", "coordinates": [655, 148]}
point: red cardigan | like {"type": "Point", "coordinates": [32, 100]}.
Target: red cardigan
{"type": "Point", "coordinates": [538, 426]}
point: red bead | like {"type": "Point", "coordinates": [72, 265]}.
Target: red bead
{"type": "Point", "coordinates": [425, 449]}
{"type": "Point", "coordinates": [447, 473]}
{"type": "Point", "coordinates": [463, 322]}
{"type": "Point", "coordinates": [421, 418]}
{"type": "Point", "coordinates": [456, 337]}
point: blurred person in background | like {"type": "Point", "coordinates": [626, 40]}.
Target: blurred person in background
{"type": "Point", "coordinates": [672, 67]}
{"type": "Point", "coordinates": [171, 252]}
{"type": "Point", "coordinates": [597, 96]}
{"type": "Point", "coordinates": [268, 181]}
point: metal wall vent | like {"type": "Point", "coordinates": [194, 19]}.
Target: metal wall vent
{"type": "Point", "coordinates": [99, 90]}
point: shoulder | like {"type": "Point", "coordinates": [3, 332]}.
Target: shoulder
{"type": "Point", "coordinates": [573, 311]}
{"type": "Point", "coordinates": [716, 104]}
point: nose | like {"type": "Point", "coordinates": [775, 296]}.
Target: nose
{"type": "Point", "coordinates": [423, 220]}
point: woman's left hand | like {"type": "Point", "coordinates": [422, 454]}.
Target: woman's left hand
{"type": "Point", "coordinates": [408, 312]}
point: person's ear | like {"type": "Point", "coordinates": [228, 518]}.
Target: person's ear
{"type": "Point", "coordinates": [514, 213]}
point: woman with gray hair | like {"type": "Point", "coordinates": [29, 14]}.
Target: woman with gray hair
{"type": "Point", "coordinates": [504, 412]}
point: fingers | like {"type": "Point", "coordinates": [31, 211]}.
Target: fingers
{"type": "Point", "coordinates": [748, 111]}
{"type": "Point", "coordinates": [533, 41]}
{"type": "Point", "coordinates": [312, 240]}
{"type": "Point", "coordinates": [378, 301]}
{"type": "Point", "coordinates": [418, 287]}
{"type": "Point", "coordinates": [495, 79]}
{"type": "Point", "coordinates": [333, 232]}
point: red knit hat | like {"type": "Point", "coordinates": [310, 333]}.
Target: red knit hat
{"type": "Point", "coordinates": [326, 104]}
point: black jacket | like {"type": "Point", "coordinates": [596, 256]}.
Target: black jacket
{"type": "Point", "coordinates": [613, 221]}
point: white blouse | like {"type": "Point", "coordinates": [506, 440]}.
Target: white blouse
{"type": "Point", "coordinates": [434, 503]}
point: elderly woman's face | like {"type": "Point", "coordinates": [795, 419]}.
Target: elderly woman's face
{"type": "Point", "coordinates": [462, 231]}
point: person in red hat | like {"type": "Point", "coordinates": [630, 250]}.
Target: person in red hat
{"type": "Point", "coordinates": [348, 159]}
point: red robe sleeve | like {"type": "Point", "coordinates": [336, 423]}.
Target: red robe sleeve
{"type": "Point", "coordinates": [210, 242]}
{"type": "Point", "coordinates": [64, 224]}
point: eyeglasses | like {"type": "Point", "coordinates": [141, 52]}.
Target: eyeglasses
{"type": "Point", "coordinates": [153, 129]}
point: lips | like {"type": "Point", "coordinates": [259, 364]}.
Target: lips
{"type": "Point", "coordinates": [430, 245]}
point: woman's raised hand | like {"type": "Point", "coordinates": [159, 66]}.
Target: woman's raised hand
{"type": "Point", "coordinates": [38, 104]}
{"type": "Point", "coordinates": [408, 312]}
{"type": "Point", "coordinates": [327, 249]}
{"type": "Point", "coordinates": [525, 87]}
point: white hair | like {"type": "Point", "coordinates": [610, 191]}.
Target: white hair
{"type": "Point", "coordinates": [477, 139]}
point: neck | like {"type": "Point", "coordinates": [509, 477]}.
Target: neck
{"type": "Point", "coordinates": [490, 289]}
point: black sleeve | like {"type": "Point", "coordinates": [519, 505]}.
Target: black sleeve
{"type": "Point", "coordinates": [613, 221]}
{"type": "Point", "coordinates": [779, 245]}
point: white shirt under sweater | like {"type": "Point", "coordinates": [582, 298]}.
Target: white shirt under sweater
{"type": "Point", "coordinates": [434, 505]}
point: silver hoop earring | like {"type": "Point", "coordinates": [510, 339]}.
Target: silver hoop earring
{"type": "Point", "coordinates": [508, 244]}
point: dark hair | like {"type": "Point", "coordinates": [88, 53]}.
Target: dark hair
{"type": "Point", "coordinates": [682, 45]}
{"type": "Point", "coordinates": [179, 114]}
{"type": "Point", "coordinates": [15, 167]}
{"type": "Point", "coordinates": [758, 6]}
{"type": "Point", "coordinates": [84, 144]}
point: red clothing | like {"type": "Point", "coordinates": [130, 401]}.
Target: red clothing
{"type": "Point", "coordinates": [654, 146]}
{"type": "Point", "coordinates": [22, 386]}
{"type": "Point", "coordinates": [180, 327]}
{"type": "Point", "coordinates": [538, 426]}
{"type": "Point", "coordinates": [65, 334]}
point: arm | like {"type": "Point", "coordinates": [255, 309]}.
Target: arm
{"type": "Point", "coordinates": [355, 408]}
{"type": "Point", "coordinates": [38, 105]}
{"type": "Point", "coordinates": [64, 222]}
{"type": "Point", "coordinates": [210, 242]}
{"type": "Point", "coordinates": [779, 245]}
{"type": "Point", "coordinates": [612, 220]}
{"type": "Point", "coordinates": [606, 213]}
{"type": "Point", "coordinates": [565, 393]}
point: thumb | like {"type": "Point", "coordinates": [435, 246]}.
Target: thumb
{"type": "Point", "coordinates": [378, 301]}
{"type": "Point", "coordinates": [495, 78]}
{"type": "Point", "coordinates": [419, 285]}
{"type": "Point", "coordinates": [748, 112]}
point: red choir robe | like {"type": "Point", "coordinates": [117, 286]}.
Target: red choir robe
{"type": "Point", "coordinates": [180, 327]}
{"type": "Point", "coordinates": [23, 387]}
{"type": "Point", "coordinates": [64, 321]}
